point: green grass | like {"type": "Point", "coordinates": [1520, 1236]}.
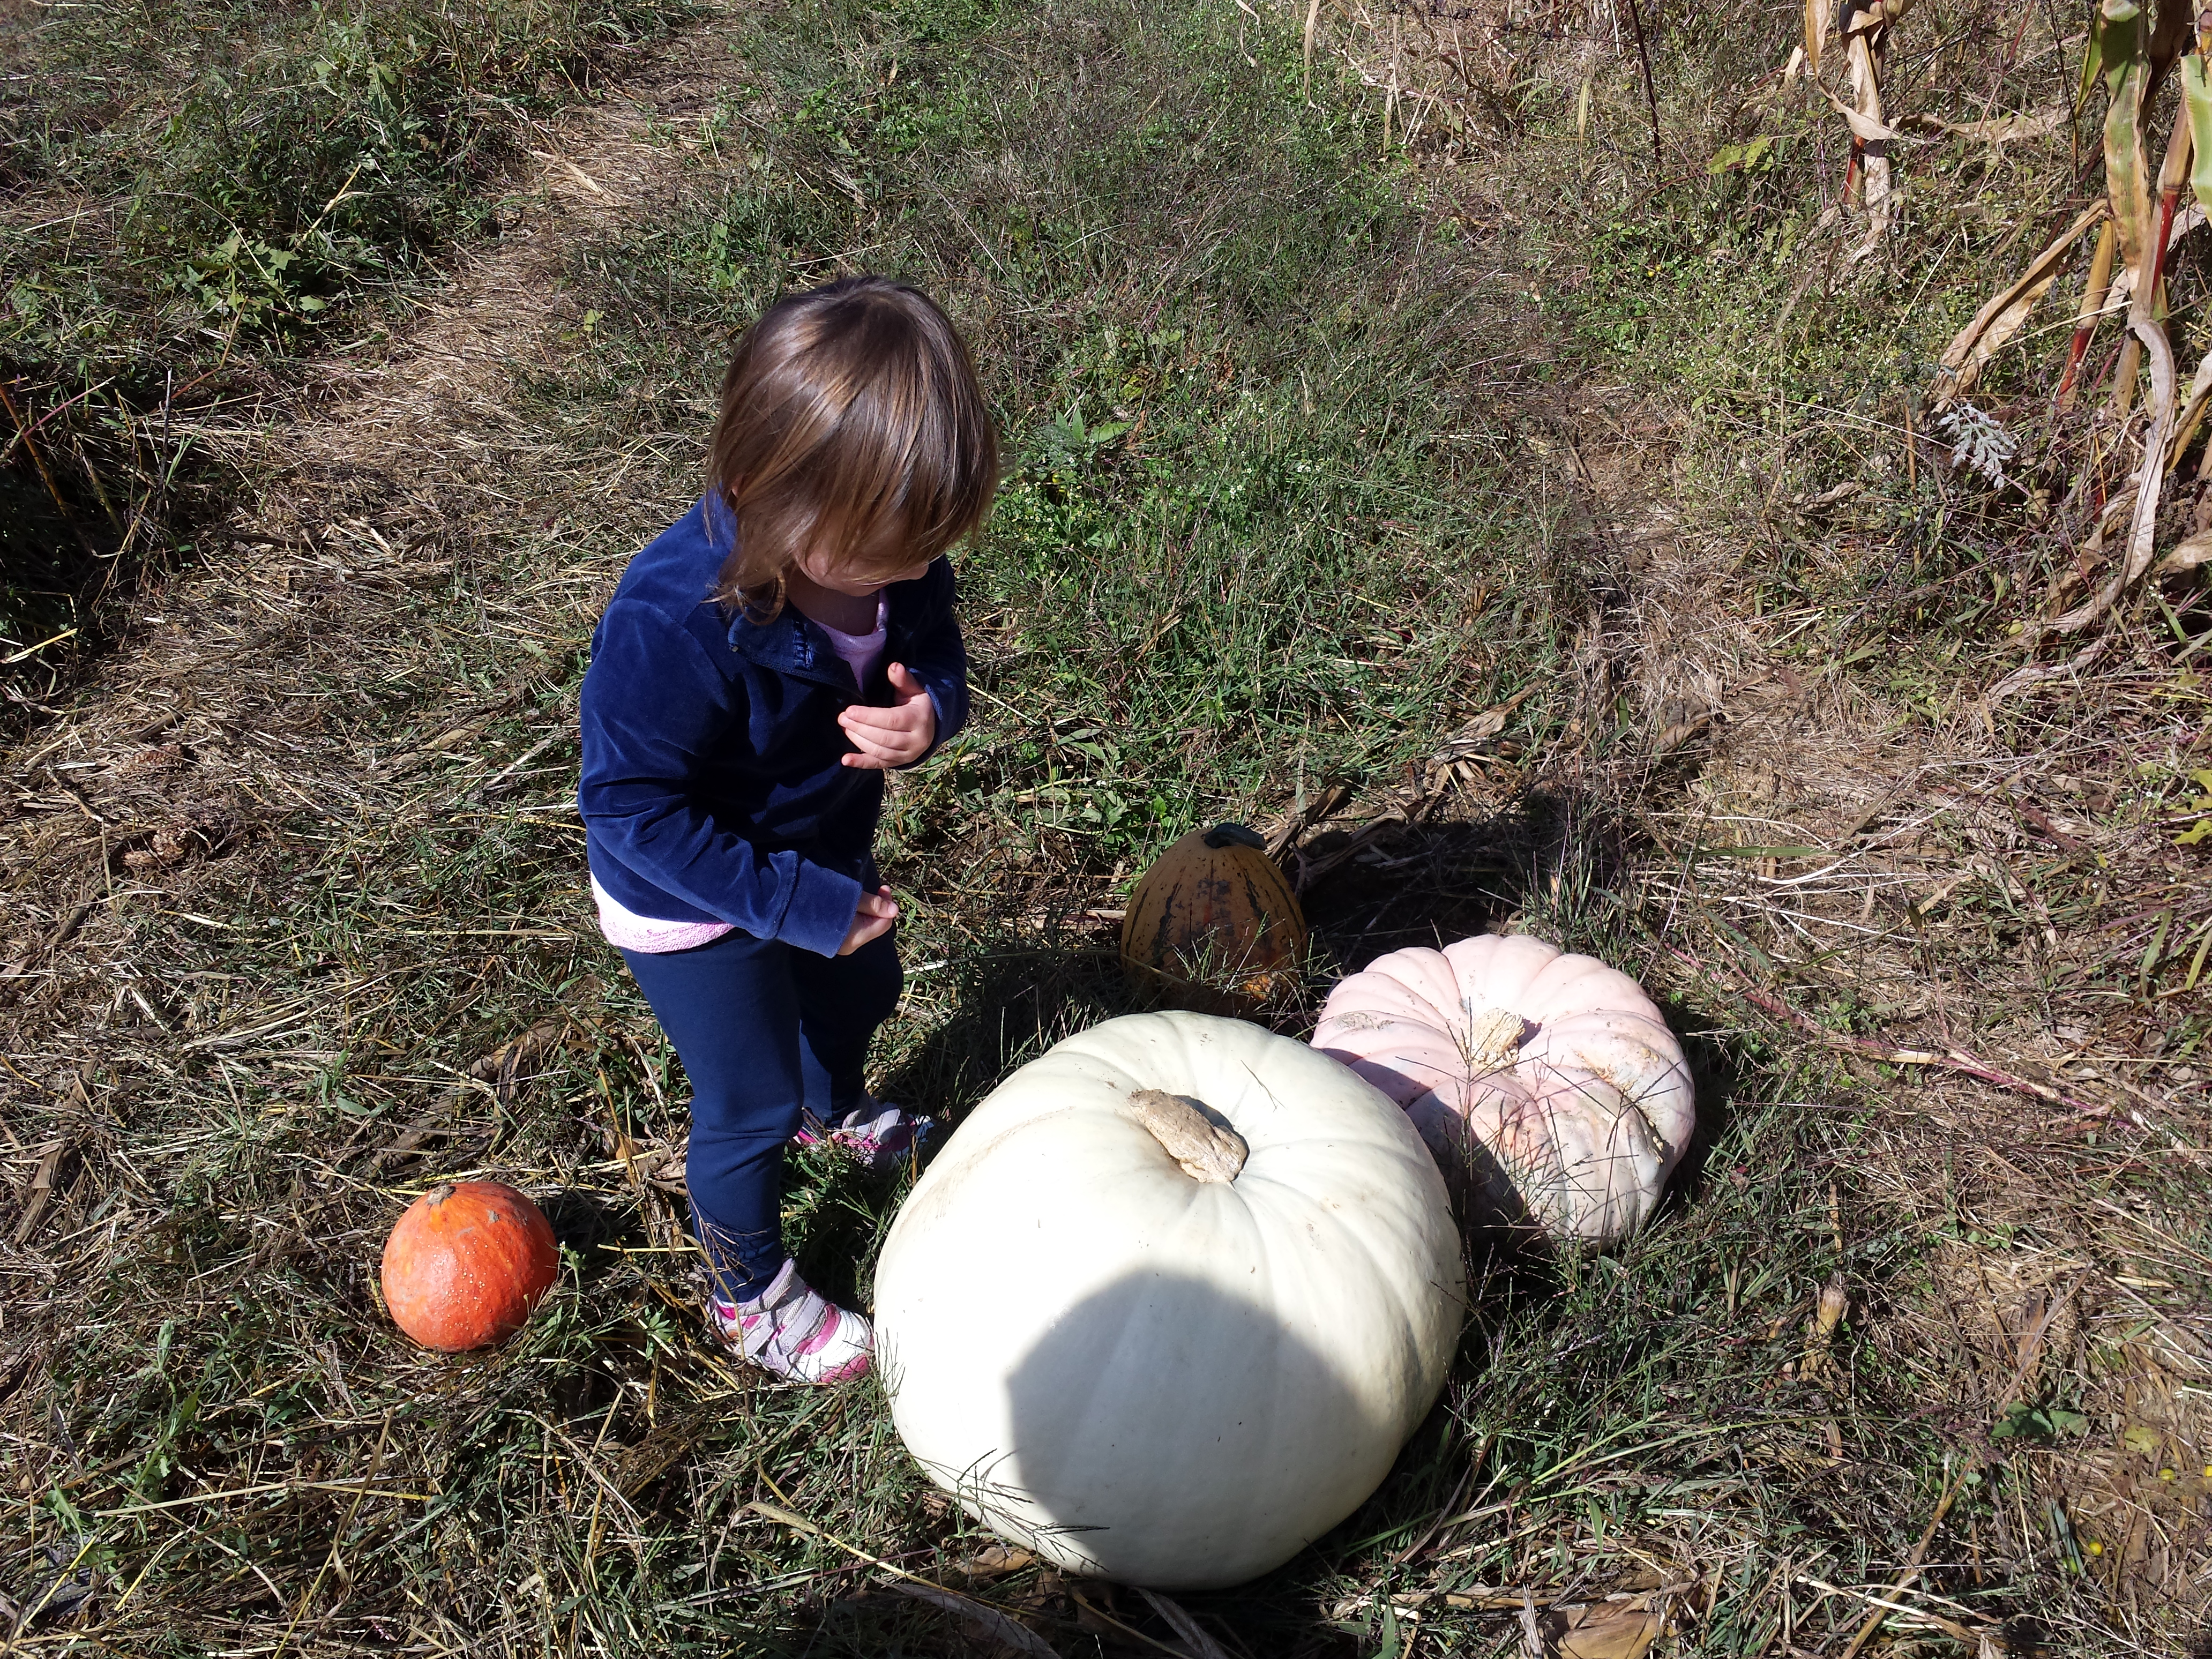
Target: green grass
{"type": "Point", "coordinates": [204, 190]}
{"type": "Point", "coordinates": [1240, 377]}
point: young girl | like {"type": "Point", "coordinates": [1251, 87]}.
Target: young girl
{"type": "Point", "coordinates": [758, 667]}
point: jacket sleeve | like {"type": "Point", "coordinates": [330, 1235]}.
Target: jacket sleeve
{"type": "Point", "coordinates": [653, 707]}
{"type": "Point", "coordinates": [936, 657]}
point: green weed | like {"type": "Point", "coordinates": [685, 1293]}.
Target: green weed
{"type": "Point", "coordinates": [203, 191]}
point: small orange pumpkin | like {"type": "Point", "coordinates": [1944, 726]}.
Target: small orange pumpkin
{"type": "Point", "coordinates": [467, 1264]}
{"type": "Point", "coordinates": [1214, 914]}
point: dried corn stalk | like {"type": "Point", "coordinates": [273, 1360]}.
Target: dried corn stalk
{"type": "Point", "coordinates": [2004, 316]}
{"type": "Point", "coordinates": [2122, 47]}
{"type": "Point", "coordinates": [1865, 28]}
{"type": "Point", "coordinates": [2092, 305]}
{"type": "Point", "coordinates": [1874, 151]}
{"type": "Point", "coordinates": [2197, 109]}
{"type": "Point", "coordinates": [2130, 53]}
{"type": "Point", "coordinates": [2120, 44]}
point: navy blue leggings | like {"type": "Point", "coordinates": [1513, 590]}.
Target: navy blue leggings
{"type": "Point", "coordinates": [763, 1028]}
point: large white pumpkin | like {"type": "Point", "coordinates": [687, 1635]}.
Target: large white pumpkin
{"type": "Point", "coordinates": [1162, 1345]}
{"type": "Point", "coordinates": [1547, 1082]}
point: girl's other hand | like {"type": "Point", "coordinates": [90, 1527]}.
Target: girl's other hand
{"type": "Point", "coordinates": [895, 736]}
{"type": "Point", "coordinates": [873, 919]}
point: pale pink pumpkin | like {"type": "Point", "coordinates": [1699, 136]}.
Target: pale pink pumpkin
{"type": "Point", "coordinates": [1546, 1084]}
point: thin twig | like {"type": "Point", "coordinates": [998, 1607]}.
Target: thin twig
{"type": "Point", "coordinates": [1950, 1060]}
{"type": "Point", "coordinates": [1650, 92]}
{"type": "Point", "coordinates": [1951, 1490]}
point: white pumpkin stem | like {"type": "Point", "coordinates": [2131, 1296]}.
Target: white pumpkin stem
{"type": "Point", "coordinates": [1207, 1150]}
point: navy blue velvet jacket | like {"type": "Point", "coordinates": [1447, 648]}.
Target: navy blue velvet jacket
{"type": "Point", "coordinates": [712, 787]}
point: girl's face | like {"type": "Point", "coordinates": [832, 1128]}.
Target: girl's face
{"type": "Point", "coordinates": [860, 582]}
{"type": "Point", "coordinates": [848, 580]}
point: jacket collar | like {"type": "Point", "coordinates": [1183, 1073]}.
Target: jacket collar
{"type": "Point", "coordinates": [789, 642]}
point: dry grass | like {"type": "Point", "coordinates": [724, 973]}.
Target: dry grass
{"type": "Point", "coordinates": [1960, 879]}
{"type": "Point", "coordinates": [297, 929]}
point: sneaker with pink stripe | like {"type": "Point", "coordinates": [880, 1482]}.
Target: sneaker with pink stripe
{"type": "Point", "coordinates": [791, 1332]}
{"type": "Point", "coordinates": [880, 1137]}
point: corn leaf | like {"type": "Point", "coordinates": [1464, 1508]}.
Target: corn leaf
{"type": "Point", "coordinates": [2196, 100]}
{"type": "Point", "coordinates": [2000, 131]}
{"type": "Point", "coordinates": [1819, 14]}
{"type": "Point", "coordinates": [2119, 24]}
{"type": "Point", "coordinates": [1869, 128]}
{"type": "Point", "coordinates": [2004, 316]}
{"type": "Point", "coordinates": [2144, 519]}
{"type": "Point", "coordinates": [2185, 425]}
{"type": "Point", "coordinates": [2093, 68]}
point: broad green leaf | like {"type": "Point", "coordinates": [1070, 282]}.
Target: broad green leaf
{"type": "Point", "coordinates": [1748, 155]}
{"type": "Point", "coordinates": [2197, 99]}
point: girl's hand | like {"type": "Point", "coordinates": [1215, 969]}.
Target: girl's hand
{"type": "Point", "coordinates": [873, 919]}
{"type": "Point", "coordinates": [893, 735]}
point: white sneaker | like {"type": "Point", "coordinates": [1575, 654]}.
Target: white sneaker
{"type": "Point", "coordinates": [790, 1331]}
{"type": "Point", "coordinates": [882, 1138]}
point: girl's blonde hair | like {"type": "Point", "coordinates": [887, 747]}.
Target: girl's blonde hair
{"type": "Point", "coordinates": [851, 425]}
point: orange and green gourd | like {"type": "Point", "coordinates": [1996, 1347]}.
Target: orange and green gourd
{"type": "Point", "coordinates": [1214, 913]}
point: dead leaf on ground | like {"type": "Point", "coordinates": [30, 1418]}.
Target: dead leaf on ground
{"type": "Point", "coordinates": [994, 1561]}
{"type": "Point", "coordinates": [1810, 504]}
{"type": "Point", "coordinates": [1679, 721]}
{"type": "Point", "coordinates": [1606, 1630]}
{"type": "Point", "coordinates": [40, 1190]}
{"type": "Point", "coordinates": [194, 832]}
{"type": "Point", "coordinates": [1482, 727]}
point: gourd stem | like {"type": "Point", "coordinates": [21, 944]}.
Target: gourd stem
{"type": "Point", "coordinates": [1207, 1151]}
